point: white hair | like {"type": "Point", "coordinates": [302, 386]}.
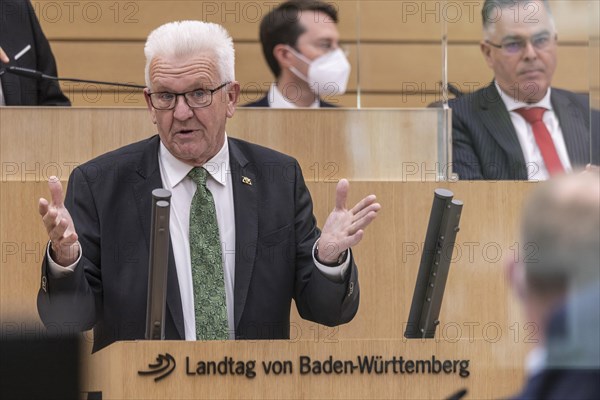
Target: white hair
{"type": "Point", "coordinates": [189, 39]}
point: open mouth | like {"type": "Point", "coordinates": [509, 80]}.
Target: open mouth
{"type": "Point", "coordinates": [532, 72]}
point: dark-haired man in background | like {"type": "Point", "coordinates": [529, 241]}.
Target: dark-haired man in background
{"type": "Point", "coordinates": [519, 127]}
{"type": "Point", "coordinates": [300, 42]}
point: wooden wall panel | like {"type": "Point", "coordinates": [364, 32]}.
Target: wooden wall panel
{"type": "Point", "coordinates": [134, 20]}
{"type": "Point", "coordinates": [400, 42]}
{"type": "Point", "coordinates": [380, 20]}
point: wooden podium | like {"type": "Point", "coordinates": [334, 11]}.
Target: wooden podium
{"type": "Point", "coordinates": [392, 153]}
{"type": "Point", "coordinates": [339, 369]}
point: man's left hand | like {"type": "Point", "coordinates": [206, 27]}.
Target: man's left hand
{"type": "Point", "coordinates": [345, 228]}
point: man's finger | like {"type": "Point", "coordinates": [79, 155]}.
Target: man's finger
{"type": "Point", "coordinates": [69, 240]}
{"type": "Point", "coordinates": [362, 223]}
{"type": "Point", "coordinates": [56, 191]}
{"type": "Point", "coordinates": [367, 201]}
{"type": "Point", "coordinates": [354, 239]}
{"type": "Point", "coordinates": [341, 194]}
{"type": "Point", "coordinates": [57, 234]}
{"type": "Point", "coordinates": [371, 207]}
{"type": "Point", "coordinates": [50, 219]}
{"type": "Point", "coordinates": [42, 206]}
{"type": "Point", "coordinates": [3, 57]}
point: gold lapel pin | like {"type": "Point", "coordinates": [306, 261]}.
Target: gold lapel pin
{"type": "Point", "coordinates": [246, 180]}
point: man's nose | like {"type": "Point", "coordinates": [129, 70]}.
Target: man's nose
{"type": "Point", "coordinates": [529, 52]}
{"type": "Point", "coordinates": [182, 111]}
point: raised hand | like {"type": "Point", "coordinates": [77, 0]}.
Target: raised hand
{"type": "Point", "coordinates": [59, 225]}
{"type": "Point", "coordinates": [345, 228]}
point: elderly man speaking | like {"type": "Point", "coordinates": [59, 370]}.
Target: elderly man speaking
{"type": "Point", "coordinates": [244, 241]}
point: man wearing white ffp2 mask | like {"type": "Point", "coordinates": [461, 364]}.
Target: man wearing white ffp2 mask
{"type": "Point", "coordinates": [327, 74]}
{"type": "Point", "coordinates": [300, 43]}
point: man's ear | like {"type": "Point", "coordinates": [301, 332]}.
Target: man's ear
{"type": "Point", "coordinates": [283, 55]}
{"type": "Point", "coordinates": [233, 96]}
{"type": "Point", "coordinates": [486, 50]}
{"type": "Point", "coordinates": [149, 105]}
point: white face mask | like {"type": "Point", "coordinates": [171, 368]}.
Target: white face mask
{"type": "Point", "coordinates": [327, 74]}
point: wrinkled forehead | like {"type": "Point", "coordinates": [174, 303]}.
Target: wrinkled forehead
{"type": "Point", "coordinates": [521, 20]}
{"type": "Point", "coordinates": [183, 73]}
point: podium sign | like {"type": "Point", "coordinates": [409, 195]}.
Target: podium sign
{"type": "Point", "coordinates": [367, 369]}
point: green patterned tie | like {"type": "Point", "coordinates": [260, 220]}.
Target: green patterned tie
{"type": "Point", "coordinates": [207, 269]}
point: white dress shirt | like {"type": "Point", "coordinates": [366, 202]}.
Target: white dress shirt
{"type": "Point", "coordinates": [536, 168]}
{"type": "Point", "coordinates": [278, 100]}
{"type": "Point", "coordinates": [174, 178]}
{"type": "Point", "coordinates": [536, 360]}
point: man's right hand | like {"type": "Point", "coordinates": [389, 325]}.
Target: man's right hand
{"type": "Point", "coordinates": [59, 225]}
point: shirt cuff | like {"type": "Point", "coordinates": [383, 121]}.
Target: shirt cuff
{"type": "Point", "coordinates": [337, 273]}
{"type": "Point", "coordinates": [58, 271]}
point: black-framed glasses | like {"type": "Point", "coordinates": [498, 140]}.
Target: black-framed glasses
{"type": "Point", "coordinates": [517, 45]}
{"type": "Point", "coordinates": [197, 98]}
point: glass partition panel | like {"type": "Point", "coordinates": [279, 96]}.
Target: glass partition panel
{"type": "Point", "coordinates": [400, 53]}
{"type": "Point", "coordinates": [594, 21]}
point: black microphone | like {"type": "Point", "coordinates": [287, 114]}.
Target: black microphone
{"type": "Point", "coordinates": [454, 90]}
{"type": "Point", "coordinates": [458, 395]}
{"type": "Point", "coordinates": [32, 73]}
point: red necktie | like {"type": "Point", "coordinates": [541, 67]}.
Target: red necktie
{"type": "Point", "coordinates": [543, 139]}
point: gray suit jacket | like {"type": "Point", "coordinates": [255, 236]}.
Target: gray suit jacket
{"type": "Point", "coordinates": [485, 143]}
{"type": "Point", "coordinates": [109, 199]}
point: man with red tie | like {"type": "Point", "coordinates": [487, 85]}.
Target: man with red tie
{"type": "Point", "coordinates": [519, 127]}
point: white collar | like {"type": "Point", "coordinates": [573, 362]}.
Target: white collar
{"type": "Point", "coordinates": [512, 104]}
{"type": "Point", "coordinates": [278, 100]}
{"type": "Point", "coordinates": [536, 360]}
{"type": "Point", "coordinates": [176, 169]}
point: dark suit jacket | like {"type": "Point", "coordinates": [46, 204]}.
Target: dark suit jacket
{"type": "Point", "coordinates": [19, 27]}
{"type": "Point", "coordinates": [485, 143]}
{"type": "Point", "coordinates": [109, 199]}
{"type": "Point", "coordinates": [264, 102]}
{"type": "Point", "coordinates": [562, 384]}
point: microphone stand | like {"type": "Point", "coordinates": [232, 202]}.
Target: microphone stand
{"type": "Point", "coordinates": [158, 265]}
{"type": "Point", "coordinates": [33, 74]}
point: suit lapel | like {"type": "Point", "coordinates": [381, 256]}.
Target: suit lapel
{"type": "Point", "coordinates": [499, 125]}
{"type": "Point", "coordinates": [574, 129]}
{"type": "Point", "coordinates": [245, 182]}
{"type": "Point", "coordinates": [150, 173]}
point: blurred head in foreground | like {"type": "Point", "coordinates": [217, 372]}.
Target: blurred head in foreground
{"type": "Point", "coordinates": [557, 276]}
